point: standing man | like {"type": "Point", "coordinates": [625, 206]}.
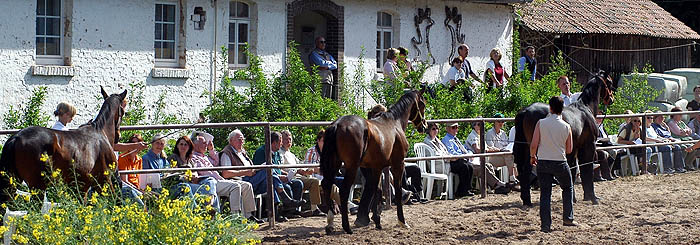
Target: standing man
{"type": "Point", "coordinates": [528, 61]}
{"type": "Point", "coordinates": [554, 135]}
{"type": "Point", "coordinates": [463, 51]}
{"type": "Point", "coordinates": [565, 87]}
{"type": "Point", "coordinates": [326, 64]}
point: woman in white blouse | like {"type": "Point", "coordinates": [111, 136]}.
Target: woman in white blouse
{"type": "Point", "coordinates": [65, 113]}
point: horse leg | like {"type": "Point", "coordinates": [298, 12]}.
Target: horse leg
{"type": "Point", "coordinates": [370, 186]}
{"type": "Point", "coordinates": [350, 171]}
{"type": "Point", "coordinates": [397, 171]}
{"type": "Point", "coordinates": [327, 185]}
{"type": "Point", "coordinates": [585, 157]}
{"type": "Point", "coordinates": [376, 209]}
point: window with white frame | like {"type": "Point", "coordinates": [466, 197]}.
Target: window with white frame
{"type": "Point", "coordinates": [49, 44]}
{"type": "Point", "coordinates": [384, 37]}
{"type": "Point", "coordinates": [238, 33]}
{"type": "Point", "coordinates": [165, 44]}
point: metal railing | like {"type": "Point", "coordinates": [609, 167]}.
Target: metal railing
{"type": "Point", "coordinates": [268, 168]}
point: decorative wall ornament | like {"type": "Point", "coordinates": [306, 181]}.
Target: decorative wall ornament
{"type": "Point", "coordinates": [423, 15]}
{"type": "Point", "coordinates": [451, 15]}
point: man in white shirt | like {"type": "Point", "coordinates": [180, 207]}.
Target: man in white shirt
{"type": "Point", "coordinates": [497, 141]}
{"type": "Point", "coordinates": [312, 184]}
{"type": "Point", "coordinates": [565, 87]}
{"type": "Point", "coordinates": [551, 141]}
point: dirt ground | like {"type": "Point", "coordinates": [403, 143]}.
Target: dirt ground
{"type": "Point", "coordinates": [640, 209]}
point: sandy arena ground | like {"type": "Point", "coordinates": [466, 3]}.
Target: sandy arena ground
{"type": "Point", "coordinates": [642, 209]}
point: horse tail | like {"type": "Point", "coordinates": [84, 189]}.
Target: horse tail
{"type": "Point", "coordinates": [7, 169]}
{"type": "Point", "coordinates": [329, 154]}
{"type": "Point", "coordinates": [521, 149]}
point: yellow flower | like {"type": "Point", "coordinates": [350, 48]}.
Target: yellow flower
{"type": "Point", "coordinates": [113, 166]}
{"type": "Point", "coordinates": [26, 197]}
{"type": "Point", "coordinates": [106, 173]}
{"type": "Point", "coordinates": [186, 189]}
{"type": "Point", "coordinates": [56, 173]}
{"type": "Point", "coordinates": [244, 221]}
{"type": "Point", "coordinates": [173, 163]}
{"type": "Point", "coordinates": [44, 157]}
{"type": "Point", "coordinates": [148, 188]}
{"type": "Point", "coordinates": [188, 175]}
{"type": "Point", "coordinates": [20, 238]}
{"type": "Point", "coordinates": [207, 188]}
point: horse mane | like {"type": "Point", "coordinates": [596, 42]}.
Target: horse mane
{"type": "Point", "coordinates": [590, 91]}
{"type": "Point", "coordinates": [105, 113]}
{"type": "Point", "coordinates": [399, 108]}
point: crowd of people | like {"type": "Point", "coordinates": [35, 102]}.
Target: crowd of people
{"type": "Point", "coordinates": [240, 187]}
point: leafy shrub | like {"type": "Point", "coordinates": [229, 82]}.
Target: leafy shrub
{"type": "Point", "coordinates": [634, 94]}
{"type": "Point", "coordinates": [290, 96]}
{"type": "Point", "coordinates": [136, 113]}
{"type": "Point", "coordinates": [29, 115]}
{"type": "Point", "coordinates": [106, 218]}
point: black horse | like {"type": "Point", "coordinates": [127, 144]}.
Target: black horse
{"type": "Point", "coordinates": [581, 116]}
{"type": "Point", "coordinates": [88, 150]}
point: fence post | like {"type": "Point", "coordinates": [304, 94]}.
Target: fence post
{"type": "Point", "coordinates": [482, 143]}
{"type": "Point", "coordinates": [270, 190]}
{"type": "Point", "coordinates": [643, 135]}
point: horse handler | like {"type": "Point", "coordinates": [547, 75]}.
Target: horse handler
{"type": "Point", "coordinates": [554, 136]}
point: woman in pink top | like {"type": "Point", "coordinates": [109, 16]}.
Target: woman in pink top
{"type": "Point", "coordinates": [677, 127]}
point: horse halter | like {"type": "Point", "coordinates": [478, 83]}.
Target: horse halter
{"type": "Point", "coordinates": [419, 115]}
{"type": "Point", "coordinates": [608, 96]}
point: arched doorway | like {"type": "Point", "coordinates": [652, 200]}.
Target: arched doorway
{"type": "Point", "coordinates": [308, 19]}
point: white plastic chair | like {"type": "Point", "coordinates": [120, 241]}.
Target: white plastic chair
{"type": "Point", "coordinates": [634, 164]}
{"type": "Point", "coordinates": [423, 150]}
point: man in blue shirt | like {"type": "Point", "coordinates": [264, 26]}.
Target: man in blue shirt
{"type": "Point", "coordinates": [528, 61]}
{"type": "Point", "coordinates": [155, 157]}
{"type": "Point", "coordinates": [326, 64]}
{"type": "Point", "coordinates": [461, 167]}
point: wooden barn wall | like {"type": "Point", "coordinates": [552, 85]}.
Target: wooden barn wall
{"type": "Point", "coordinates": [584, 61]}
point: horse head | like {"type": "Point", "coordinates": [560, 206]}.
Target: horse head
{"type": "Point", "coordinates": [418, 112]}
{"type": "Point", "coordinates": [606, 92]}
{"type": "Point", "coordinates": [115, 111]}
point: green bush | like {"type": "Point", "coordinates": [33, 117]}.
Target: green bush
{"type": "Point", "coordinates": [29, 115]}
{"type": "Point", "coordinates": [136, 114]}
{"type": "Point", "coordinates": [104, 217]}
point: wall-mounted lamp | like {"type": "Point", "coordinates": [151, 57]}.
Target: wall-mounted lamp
{"type": "Point", "coordinates": [199, 18]}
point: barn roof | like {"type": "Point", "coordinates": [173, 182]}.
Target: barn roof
{"type": "Point", "coordinates": [632, 17]}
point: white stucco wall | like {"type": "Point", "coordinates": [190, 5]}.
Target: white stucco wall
{"type": "Point", "coordinates": [112, 45]}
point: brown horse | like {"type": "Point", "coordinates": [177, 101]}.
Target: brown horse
{"type": "Point", "coordinates": [372, 144]}
{"type": "Point", "coordinates": [88, 150]}
{"type": "Point", "coordinates": [581, 116]}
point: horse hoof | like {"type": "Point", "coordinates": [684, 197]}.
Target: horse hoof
{"type": "Point", "coordinates": [329, 230]}
{"type": "Point", "coordinates": [361, 222]}
{"type": "Point", "coordinates": [378, 226]}
{"type": "Point", "coordinates": [404, 225]}
{"type": "Point", "coordinates": [347, 230]}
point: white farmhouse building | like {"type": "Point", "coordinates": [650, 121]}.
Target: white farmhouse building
{"type": "Point", "coordinates": [74, 46]}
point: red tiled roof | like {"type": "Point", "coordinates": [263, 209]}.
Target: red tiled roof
{"type": "Point", "coordinates": [635, 17]}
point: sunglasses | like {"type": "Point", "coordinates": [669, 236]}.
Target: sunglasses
{"type": "Point", "coordinates": [636, 121]}
{"type": "Point", "coordinates": [322, 41]}
{"type": "Point", "coordinates": [652, 118]}
{"type": "Point", "coordinates": [434, 129]}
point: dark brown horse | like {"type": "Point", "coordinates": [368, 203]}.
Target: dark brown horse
{"type": "Point", "coordinates": [372, 144]}
{"type": "Point", "coordinates": [88, 149]}
{"type": "Point", "coordinates": [581, 116]}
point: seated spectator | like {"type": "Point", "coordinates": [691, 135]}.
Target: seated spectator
{"type": "Point", "coordinates": [631, 133]}
{"type": "Point", "coordinates": [666, 150]}
{"type": "Point", "coordinates": [391, 68]}
{"type": "Point", "coordinates": [155, 158]}
{"type": "Point", "coordinates": [65, 113]}
{"type": "Point", "coordinates": [237, 191]}
{"type": "Point", "coordinates": [432, 140]}
{"type": "Point", "coordinates": [663, 130]}
{"type": "Point", "coordinates": [454, 74]}
{"type": "Point", "coordinates": [279, 179]}
{"type": "Point", "coordinates": [565, 87]}
{"type": "Point", "coordinates": [461, 167]}
{"type": "Point", "coordinates": [678, 127]}
{"type": "Point", "coordinates": [495, 74]}
{"type": "Point", "coordinates": [612, 157]}
{"type": "Point", "coordinates": [310, 183]}
{"type": "Point", "coordinates": [694, 125]}
{"type": "Point", "coordinates": [131, 161]}
{"type": "Point", "coordinates": [204, 186]}
{"type": "Point", "coordinates": [313, 156]}
{"type": "Point", "coordinates": [627, 120]}
{"type": "Point", "coordinates": [694, 104]}
{"type": "Point", "coordinates": [130, 182]}
{"type": "Point", "coordinates": [497, 141]}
